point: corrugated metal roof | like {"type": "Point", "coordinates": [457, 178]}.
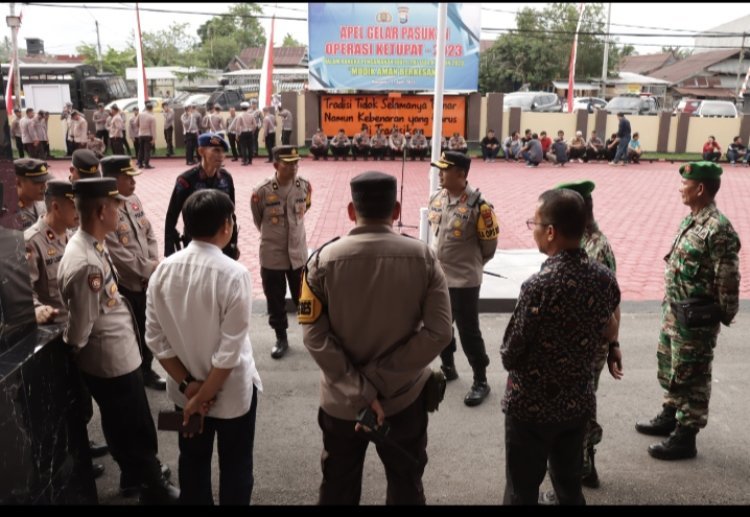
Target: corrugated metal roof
{"type": "Point", "coordinates": [693, 65]}
{"type": "Point", "coordinates": [719, 93]}
{"type": "Point", "coordinates": [252, 57]}
{"type": "Point", "coordinates": [647, 63]}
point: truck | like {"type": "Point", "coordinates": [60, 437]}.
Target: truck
{"type": "Point", "coordinates": [85, 86]}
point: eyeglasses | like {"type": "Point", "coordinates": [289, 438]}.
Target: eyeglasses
{"type": "Point", "coordinates": [530, 224]}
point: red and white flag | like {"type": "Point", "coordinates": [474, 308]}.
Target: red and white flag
{"type": "Point", "coordinates": [572, 71]}
{"type": "Point", "coordinates": [141, 75]}
{"type": "Point", "coordinates": [266, 74]}
{"type": "Point", "coordinates": [9, 87]}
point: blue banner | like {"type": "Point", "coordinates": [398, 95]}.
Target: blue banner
{"type": "Point", "coordinates": [391, 47]}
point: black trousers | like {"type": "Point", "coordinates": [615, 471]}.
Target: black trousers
{"type": "Point", "coordinates": [137, 303]}
{"type": "Point", "coordinates": [340, 152]}
{"type": "Point", "coordinates": [319, 152]}
{"type": "Point", "coordinates": [274, 287]}
{"type": "Point", "coordinates": [256, 145]}
{"type": "Point", "coordinates": [103, 134]}
{"type": "Point", "coordinates": [19, 146]}
{"type": "Point", "coordinates": [168, 134]}
{"type": "Point", "coordinates": [363, 151]}
{"type": "Point", "coordinates": [233, 144]}
{"type": "Point", "coordinates": [344, 452]}
{"type": "Point", "coordinates": [191, 144]}
{"type": "Point", "coordinates": [270, 143]}
{"type": "Point", "coordinates": [117, 147]}
{"type": "Point", "coordinates": [69, 147]}
{"type": "Point", "coordinates": [235, 438]}
{"type": "Point", "coordinates": [286, 136]}
{"type": "Point", "coordinates": [144, 151]}
{"type": "Point", "coordinates": [528, 449]}
{"type": "Point", "coordinates": [593, 154]}
{"type": "Point", "coordinates": [127, 147]}
{"type": "Point", "coordinates": [465, 312]}
{"type": "Point", "coordinates": [246, 147]}
{"type": "Point", "coordinates": [137, 148]}
{"type": "Point", "coordinates": [377, 152]}
{"type": "Point", "coordinates": [127, 424]}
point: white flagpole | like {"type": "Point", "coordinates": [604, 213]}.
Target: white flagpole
{"type": "Point", "coordinates": [141, 75]}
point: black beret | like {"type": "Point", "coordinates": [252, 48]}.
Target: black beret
{"type": "Point", "coordinates": [285, 153]}
{"type": "Point", "coordinates": [90, 188]}
{"type": "Point", "coordinates": [59, 188]}
{"type": "Point", "coordinates": [113, 166]}
{"type": "Point", "coordinates": [87, 163]}
{"type": "Point", "coordinates": [373, 187]}
{"type": "Point", "coordinates": [452, 158]}
{"type": "Point", "coordinates": [33, 169]}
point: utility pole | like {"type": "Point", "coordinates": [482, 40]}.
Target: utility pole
{"type": "Point", "coordinates": [14, 22]}
{"type": "Point", "coordinates": [606, 53]}
{"type": "Point", "coordinates": [739, 67]}
{"type": "Point", "coordinates": [99, 46]}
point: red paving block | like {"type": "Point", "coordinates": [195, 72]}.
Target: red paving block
{"type": "Point", "coordinates": [637, 206]}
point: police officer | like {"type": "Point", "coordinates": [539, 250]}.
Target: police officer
{"type": "Point", "coordinates": [146, 135]}
{"type": "Point", "coordinates": [168, 127]}
{"type": "Point", "coordinates": [702, 272]}
{"type": "Point", "coordinates": [279, 204]}
{"type": "Point", "coordinates": [31, 179]}
{"type": "Point", "coordinates": [597, 247]}
{"type": "Point", "coordinates": [245, 128]}
{"type": "Point", "coordinates": [83, 164]}
{"type": "Point", "coordinates": [100, 119]}
{"type": "Point", "coordinates": [210, 173]}
{"type": "Point", "coordinates": [380, 363]}
{"type": "Point", "coordinates": [135, 253]}
{"type": "Point", "coordinates": [100, 328]}
{"type": "Point", "coordinates": [465, 234]}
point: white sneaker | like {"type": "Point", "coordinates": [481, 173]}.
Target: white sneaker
{"type": "Point", "coordinates": [580, 160]}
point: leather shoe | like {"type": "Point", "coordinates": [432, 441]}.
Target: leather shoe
{"type": "Point", "coordinates": [98, 449]}
{"type": "Point", "coordinates": [97, 469]}
{"type": "Point", "coordinates": [130, 486]}
{"type": "Point", "coordinates": [152, 380]}
{"type": "Point", "coordinates": [449, 371]}
{"type": "Point", "coordinates": [477, 393]}
{"type": "Point", "coordinates": [162, 493]}
{"type": "Point", "coordinates": [282, 345]}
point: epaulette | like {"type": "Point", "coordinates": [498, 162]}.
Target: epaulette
{"type": "Point", "coordinates": [316, 253]}
{"type": "Point", "coordinates": [475, 198]}
{"type": "Point", "coordinates": [263, 183]}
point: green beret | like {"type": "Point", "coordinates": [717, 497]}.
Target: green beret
{"type": "Point", "coordinates": [701, 171]}
{"type": "Point", "coordinates": [583, 187]}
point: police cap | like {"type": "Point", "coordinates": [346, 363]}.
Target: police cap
{"type": "Point", "coordinates": [701, 171]}
{"type": "Point", "coordinates": [213, 140]}
{"type": "Point", "coordinates": [286, 153]}
{"type": "Point", "coordinates": [87, 163]}
{"type": "Point", "coordinates": [59, 188]}
{"type": "Point", "coordinates": [91, 188]}
{"type": "Point", "coordinates": [33, 169]}
{"type": "Point", "coordinates": [451, 159]}
{"type": "Point", "coordinates": [583, 187]}
{"type": "Point", "coordinates": [373, 188]}
{"type": "Point", "coordinates": [113, 166]}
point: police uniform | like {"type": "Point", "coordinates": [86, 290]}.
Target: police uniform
{"type": "Point", "coordinates": [188, 182]}
{"type": "Point", "coordinates": [146, 135]}
{"type": "Point", "coordinates": [44, 251]}
{"type": "Point", "coordinates": [703, 263]}
{"type": "Point", "coordinates": [597, 247]}
{"type": "Point", "coordinates": [365, 357]}
{"type": "Point", "coordinates": [246, 127]}
{"type": "Point", "coordinates": [35, 170]}
{"type": "Point", "coordinates": [86, 165]}
{"type": "Point", "coordinates": [100, 119]}
{"type": "Point", "coordinates": [101, 330]}
{"type": "Point", "coordinates": [135, 254]}
{"type": "Point", "coordinates": [465, 232]}
{"type": "Point", "coordinates": [279, 215]}
{"type": "Point", "coordinates": [168, 128]}
{"type": "Point", "coordinates": [190, 128]}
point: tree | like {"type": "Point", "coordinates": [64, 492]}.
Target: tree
{"type": "Point", "coordinates": [289, 41]}
{"type": "Point", "coordinates": [169, 47]}
{"type": "Point", "coordinates": [679, 52]}
{"type": "Point", "coordinates": [223, 37]}
{"type": "Point", "coordinates": [114, 61]}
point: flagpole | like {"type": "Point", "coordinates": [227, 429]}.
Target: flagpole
{"type": "Point", "coordinates": [141, 83]}
{"type": "Point", "coordinates": [14, 22]}
{"type": "Point", "coordinates": [572, 71]}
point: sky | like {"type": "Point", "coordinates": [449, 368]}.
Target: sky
{"type": "Point", "coordinates": [68, 25]}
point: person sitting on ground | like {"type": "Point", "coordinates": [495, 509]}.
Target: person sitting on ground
{"type": "Point", "coordinates": [95, 145]}
{"type": "Point", "coordinates": [610, 147]}
{"type": "Point", "coordinates": [558, 154]}
{"type": "Point", "coordinates": [532, 151]}
{"type": "Point", "coordinates": [490, 146]}
{"type": "Point", "coordinates": [511, 146]}
{"type": "Point", "coordinates": [319, 145]}
{"type": "Point", "coordinates": [418, 146]}
{"type": "Point", "coordinates": [635, 149]}
{"type": "Point", "coordinates": [378, 145]}
{"type": "Point", "coordinates": [577, 148]}
{"type": "Point", "coordinates": [711, 150]}
{"type": "Point", "coordinates": [546, 143]}
{"type": "Point", "coordinates": [340, 145]}
{"type": "Point", "coordinates": [458, 144]}
{"type": "Point", "coordinates": [396, 144]}
{"type": "Point", "coordinates": [594, 148]}
{"type": "Point", "coordinates": [525, 138]}
{"type": "Point", "coordinates": [361, 144]}
{"type": "Point", "coordinates": [443, 144]}
{"type": "Point", "coordinates": [736, 151]}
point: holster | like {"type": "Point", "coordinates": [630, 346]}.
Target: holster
{"type": "Point", "coordinates": [434, 390]}
{"type": "Point", "coordinates": [697, 312]}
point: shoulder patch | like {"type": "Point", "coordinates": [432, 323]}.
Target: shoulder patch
{"type": "Point", "coordinates": [487, 227]}
{"type": "Point", "coordinates": [95, 282]}
{"type": "Point", "coordinates": [182, 183]}
{"type": "Point", "coordinates": [255, 198]}
{"type": "Point", "coordinates": [310, 308]}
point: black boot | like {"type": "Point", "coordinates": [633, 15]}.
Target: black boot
{"type": "Point", "coordinates": [679, 445]}
{"type": "Point", "coordinates": [661, 425]}
{"type": "Point", "coordinates": [282, 345]}
{"type": "Point", "coordinates": [449, 369]}
{"type": "Point", "coordinates": [591, 478]}
{"type": "Point", "coordinates": [479, 390]}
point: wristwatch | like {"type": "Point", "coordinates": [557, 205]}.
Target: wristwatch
{"type": "Point", "coordinates": [185, 382]}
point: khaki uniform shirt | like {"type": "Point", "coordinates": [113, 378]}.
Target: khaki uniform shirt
{"type": "Point", "coordinates": [15, 127]}
{"type": "Point", "coordinates": [30, 214]}
{"type": "Point", "coordinates": [146, 124]}
{"type": "Point", "coordinates": [100, 118]}
{"type": "Point", "coordinates": [213, 123]}
{"type": "Point", "coordinates": [286, 120]}
{"type": "Point", "coordinates": [79, 130]}
{"type": "Point", "coordinates": [133, 246]}
{"type": "Point", "coordinates": [418, 142]}
{"type": "Point", "coordinates": [456, 143]}
{"type": "Point", "coordinates": [396, 141]}
{"type": "Point", "coordinates": [27, 130]}
{"type": "Point", "coordinates": [100, 323]}
{"type": "Point", "coordinates": [281, 222]}
{"type": "Point", "coordinates": [44, 251]}
{"type": "Point", "coordinates": [319, 140]}
{"type": "Point", "coordinates": [269, 124]}
{"type": "Point", "coordinates": [231, 124]}
{"type": "Point", "coordinates": [117, 127]}
{"type": "Point", "coordinates": [133, 127]}
{"type": "Point", "coordinates": [375, 312]}
{"type": "Point", "coordinates": [465, 235]}
{"type": "Point", "coordinates": [188, 123]}
{"type": "Point", "coordinates": [168, 119]}
{"type": "Point", "coordinates": [246, 122]}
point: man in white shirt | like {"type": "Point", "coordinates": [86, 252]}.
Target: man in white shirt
{"type": "Point", "coordinates": [198, 326]}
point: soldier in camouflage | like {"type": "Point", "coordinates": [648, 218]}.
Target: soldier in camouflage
{"type": "Point", "coordinates": [702, 264]}
{"type": "Point", "coordinates": [597, 247]}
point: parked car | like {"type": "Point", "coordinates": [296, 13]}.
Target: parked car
{"type": "Point", "coordinates": [194, 99]}
{"type": "Point", "coordinates": [127, 105]}
{"type": "Point", "coordinates": [632, 105]}
{"type": "Point", "coordinates": [226, 99]}
{"type": "Point", "coordinates": [688, 106]}
{"type": "Point", "coordinates": [532, 101]}
{"type": "Point", "coordinates": [582, 103]}
{"type": "Point", "coordinates": [710, 108]}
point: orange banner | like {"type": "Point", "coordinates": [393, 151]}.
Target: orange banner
{"type": "Point", "coordinates": [407, 112]}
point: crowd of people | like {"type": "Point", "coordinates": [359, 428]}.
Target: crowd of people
{"type": "Point", "coordinates": [736, 151]}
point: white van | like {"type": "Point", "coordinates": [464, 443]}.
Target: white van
{"type": "Point", "coordinates": [716, 109]}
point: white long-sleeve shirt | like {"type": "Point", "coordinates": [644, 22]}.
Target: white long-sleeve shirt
{"type": "Point", "coordinates": [198, 309]}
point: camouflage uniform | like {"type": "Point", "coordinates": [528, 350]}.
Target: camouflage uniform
{"type": "Point", "coordinates": [703, 262]}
